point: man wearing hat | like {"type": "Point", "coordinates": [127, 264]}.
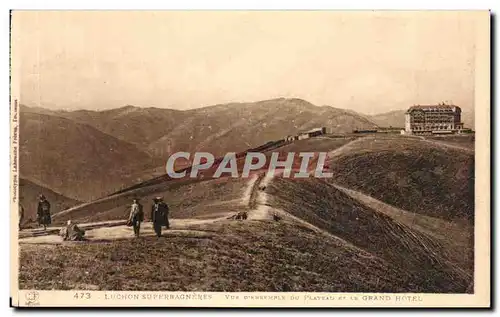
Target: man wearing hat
{"type": "Point", "coordinates": [43, 212]}
{"type": "Point", "coordinates": [159, 215]}
{"type": "Point", "coordinates": [136, 216]}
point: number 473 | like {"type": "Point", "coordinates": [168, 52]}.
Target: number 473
{"type": "Point", "coordinates": [82, 296]}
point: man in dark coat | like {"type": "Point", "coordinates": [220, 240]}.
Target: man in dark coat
{"type": "Point", "coordinates": [43, 212]}
{"type": "Point", "coordinates": [136, 216]}
{"type": "Point", "coordinates": [159, 215]}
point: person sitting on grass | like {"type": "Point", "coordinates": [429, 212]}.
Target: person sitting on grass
{"type": "Point", "coordinates": [72, 232]}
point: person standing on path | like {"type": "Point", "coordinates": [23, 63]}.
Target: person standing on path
{"type": "Point", "coordinates": [43, 212]}
{"type": "Point", "coordinates": [159, 215]}
{"type": "Point", "coordinates": [136, 216]}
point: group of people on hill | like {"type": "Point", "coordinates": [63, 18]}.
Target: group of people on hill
{"type": "Point", "coordinates": [159, 218]}
{"type": "Point", "coordinates": [44, 218]}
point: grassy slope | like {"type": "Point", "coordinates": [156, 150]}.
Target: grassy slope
{"type": "Point", "coordinates": [466, 141]}
{"type": "Point", "coordinates": [29, 192]}
{"type": "Point", "coordinates": [376, 252]}
{"type": "Point", "coordinates": [416, 176]}
{"type": "Point", "coordinates": [190, 198]}
{"type": "Point", "coordinates": [239, 256]}
{"type": "Point", "coordinates": [402, 245]}
{"type": "Point", "coordinates": [186, 199]}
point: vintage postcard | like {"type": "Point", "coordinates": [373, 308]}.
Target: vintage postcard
{"type": "Point", "coordinates": [250, 158]}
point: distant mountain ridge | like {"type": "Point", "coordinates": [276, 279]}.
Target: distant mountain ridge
{"type": "Point", "coordinates": [163, 131]}
{"type": "Point", "coordinates": [86, 154]}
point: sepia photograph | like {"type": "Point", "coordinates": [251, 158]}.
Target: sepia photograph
{"type": "Point", "coordinates": [250, 158]}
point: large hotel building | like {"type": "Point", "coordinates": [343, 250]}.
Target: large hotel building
{"type": "Point", "coordinates": [426, 119]}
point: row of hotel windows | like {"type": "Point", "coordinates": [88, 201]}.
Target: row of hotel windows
{"type": "Point", "coordinates": [444, 118]}
{"type": "Point", "coordinates": [432, 122]}
{"type": "Point", "coordinates": [432, 127]}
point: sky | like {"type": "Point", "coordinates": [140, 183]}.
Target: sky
{"type": "Point", "coordinates": [370, 62]}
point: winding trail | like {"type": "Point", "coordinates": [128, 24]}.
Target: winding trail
{"type": "Point", "coordinates": [248, 199]}
{"type": "Point", "coordinates": [112, 230]}
{"type": "Point", "coordinates": [257, 198]}
{"type": "Point", "coordinates": [447, 145]}
{"type": "Point", "coordinates": [344, 148]}
{"type": "Point", "coordinates": [433, 226]}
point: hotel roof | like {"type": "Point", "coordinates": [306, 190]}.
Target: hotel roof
{"type": "Point", "coordinates": [433, 107]}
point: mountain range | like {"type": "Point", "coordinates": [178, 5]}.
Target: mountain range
{"type": "Point", "coordinates": [85, 154]}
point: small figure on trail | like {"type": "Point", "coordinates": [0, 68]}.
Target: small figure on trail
{"type": "Point", "coordinates": [72, 232]}
{"type": "Point", "coordinates": [136, 216]}
{"type": "Point", "coordinates": [43, 212]}
{"type": "Point", "coordinates": [242, 215]}
{"type": "Point", "coordinates": [21, 215]}
{"type": "Point", "coordinates": [159, 215]}
{"type": "Point", "coordinates": [276, 217]}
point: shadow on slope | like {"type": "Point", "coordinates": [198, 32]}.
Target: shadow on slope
{"type": "Point", "coordinates": [190, 198]}
{"type": "Point", "coordinates": [402, 247]}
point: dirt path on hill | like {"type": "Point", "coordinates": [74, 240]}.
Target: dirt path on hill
{"type": "Point", "coordinates": [117, 229]}
{"type": "Point", "coordinates": [257, 203]}
{"type": "Point", "coordinates": [434, 228]}
{"type": "Point", "coordinates": [431, 225]}
{"type": "Point", "coordinates": [256, 194]}
{"type": "Point", "coordinates": [451, 146]}
{"type": "Point", "coordinates": [248, 199]}
{"type": "Point", "coordinates": [113, 230]}
{"type": "Point", "coordinates": [344, 148]}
